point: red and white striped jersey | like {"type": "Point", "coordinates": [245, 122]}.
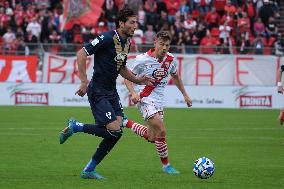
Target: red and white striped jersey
{"type": "Point", "coordinates": [147, 64]}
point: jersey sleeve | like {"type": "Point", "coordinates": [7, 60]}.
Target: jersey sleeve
{"type": "Point", "coordinates": [137, 65]}
{"type": "Point", "coordinates": [173, 69]}
{"type": "Point", "coordinates": [98, 43]}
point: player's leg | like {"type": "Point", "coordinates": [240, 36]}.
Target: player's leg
{"type": "Point", "coordinates": [109, 142]}
{"type": "Point", "coordinates": [156, 123]}
{"type": "Point", "coordinates": [281, 116]}
{"type": "Point", "coordinates": [140, 129]}
{"type": "Point", "coordinates": [103, 113]}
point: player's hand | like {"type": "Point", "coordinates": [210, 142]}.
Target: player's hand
{"type": "Point", "coordinates": [135, 98]}
{"type": "Point", "coordinates": [188, 101]}
{"type": "Point", "coordinates": [82, 89]}
{"type": "Point", "coordinates": [146, 80]}
{"type": "Point", "coordinates": [280, 89]}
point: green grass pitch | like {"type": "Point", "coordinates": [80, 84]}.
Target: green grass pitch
{"type": "Point", "coordinates": [247, 147]}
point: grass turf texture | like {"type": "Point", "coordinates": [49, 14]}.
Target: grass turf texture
{"type": "Point", "coordinates": [247, 147]}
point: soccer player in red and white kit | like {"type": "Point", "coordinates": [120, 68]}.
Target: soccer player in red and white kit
{"type": "Point", "coordinates": [160, 64]}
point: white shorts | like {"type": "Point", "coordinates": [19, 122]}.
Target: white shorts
{"type": "Point", "coordinates": [149, 108]}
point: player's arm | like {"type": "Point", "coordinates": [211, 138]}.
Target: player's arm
{"type": "Point", "coordinates": [135, 98]}
{"type": "Point", "coordinates": [127, 74]}
{"type": "Point", "coordinates": [280, 88]}
{"type": "Point", "coordinates": [178, 82]}
{"type": "Point", "coordinates": [81, 62]}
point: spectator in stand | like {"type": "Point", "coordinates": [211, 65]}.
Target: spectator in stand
{"type": "Point", "coordinates": [150, 7]}
{"type": "Point", "coordinates": [111, 11]}
{"type": "Point", "coordinates": [208, 44]}
{"type": "Point", "coordinates": [180, 43]}
{"type": "Point", "coordinates": [163, 23]}
{"type": "Point", "coordinates": [244, 25]}
{"type": "Point", "coordinates": [243, 44]}
{"type": "Point", "coordinates": [188, 43]}
{"type": "Point", "coordinates": [54, 37]}
{"type": "Point", "coordinates": [20, 33]}
{"type": "Point", "coordinates": [224, 32]}
{"type": "Point", "coordinates": [259, 27]}
{"type": "Point", "coordinates": [202, 6]}
{"type": "Point", "coordinates": [190, 24]}
{"type": "Point", "coordinates": [8, 38]}
{"type": "Point", "coordinates": [34, 27]}
{"type": "Point", "coordinates": [3, 30]}
{"type": "Point", "coordinates": [149, 35]}
{"type": "Point", "coordinates": [141, 17]}
{"type": "Point", "coordinates": [230, 8]}
{"type": "Point", "coordinates": [88, 33]}
{"type": "Point", "coordinates": [219, 6]}
{"type": "Point", "coordinates": [184, 8]}
{"type": "Point", "coordinates": [4, 18]}
{"type": "Point", "coordinates": [30, 12]}
{"type": "Point", "coordinates": [265, 12]}
{"type": "Point", "coordinates": [258, 44]}
{"type": "Point", "coordinates": [212, 19]}
{"type": "Point", "coordinates": [271, 29]}
{"type": "Point", "coordinates": [173, 7]}
{"type": "Point", "coordinates": [250, 10]}
{"type": "Point", "coordinates": [9, 11]}
{"type": "Point", "coordinates": [19, 15]}
{"type": "Point", "coordinates": [161, 7]}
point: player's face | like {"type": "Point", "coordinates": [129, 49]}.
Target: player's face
{"type": "Point", "coordinates": [129, 26]}
{"type": "Point", "coordinates": [162, 47]}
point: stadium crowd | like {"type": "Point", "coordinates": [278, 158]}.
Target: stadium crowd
{"type": "Point", "coordinates": [197, 26]}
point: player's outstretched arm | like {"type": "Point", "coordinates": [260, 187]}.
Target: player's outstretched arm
{"type": "Point", "coordinates": [178, 82]}
{"type": "Point", "coordinates": [278, 78]}
{"type": "Point", "coordinates": [127, 74]}
{"type": "Point", "coordinates": [81, 62]}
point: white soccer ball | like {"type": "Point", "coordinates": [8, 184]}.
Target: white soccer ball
{"type": "Point", "coordinates": [203, 168]}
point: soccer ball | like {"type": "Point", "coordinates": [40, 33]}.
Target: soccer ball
{"type": "Point", "coordinates": [203, 168]}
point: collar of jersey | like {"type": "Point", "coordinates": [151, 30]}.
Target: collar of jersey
{"type": "Point", "coordinates": [150, 53]}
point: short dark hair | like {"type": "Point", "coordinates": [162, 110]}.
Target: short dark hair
{"type": "Point", "coordinates": [164, 35]}
{"type": "Point", "coordinates": [123, 15]}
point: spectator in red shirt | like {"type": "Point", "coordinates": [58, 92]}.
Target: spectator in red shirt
{"type": "Point", "coordinates": [220, 6]}
{"type": "Point", "coordinates": [230, 8]}
{"type": "Point", "coordinates": [244, 25]}
{"type": "Point", "coordinates": [172, 6]}
{"type": "Point", "coordinates": [212, 18]}
{"type": "Point", "coordinates": [208, 44]}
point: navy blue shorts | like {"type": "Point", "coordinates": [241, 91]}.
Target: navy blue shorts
{"type": "Point", "coordinates": [105, 106]}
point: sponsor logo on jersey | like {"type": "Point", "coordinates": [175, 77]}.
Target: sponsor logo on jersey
{"type": "Point", "coordinates": [160, 73]}
{"type": "Point", "coordinates": [121, 57]}
{"type": "Point", "coordinates": [95, 42]}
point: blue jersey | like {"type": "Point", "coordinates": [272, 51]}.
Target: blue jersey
{"type": "Point", "coordinates": [110, 54]}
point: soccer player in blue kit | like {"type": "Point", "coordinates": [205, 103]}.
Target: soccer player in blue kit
{"type": "Point", "coordinates": [110, 51]}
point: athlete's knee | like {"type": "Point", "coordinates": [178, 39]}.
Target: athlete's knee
{"type": "Point", "coordinates": [115, 125]}
{"type": "Point", "coordinates": [114, 134]}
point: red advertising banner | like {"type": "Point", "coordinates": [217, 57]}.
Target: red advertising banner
{"type": "Point", "coordinates": [18, 68]}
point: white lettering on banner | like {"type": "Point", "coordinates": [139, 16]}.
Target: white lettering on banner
{"type": "Point", "coordinates": [31, 98]}
{"type": "Point", "coordinates": [202, 96]}
{"type": "Point", "coordinates": [265, 101]}
{"type": "Point", "coordinates": [19, 72]}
